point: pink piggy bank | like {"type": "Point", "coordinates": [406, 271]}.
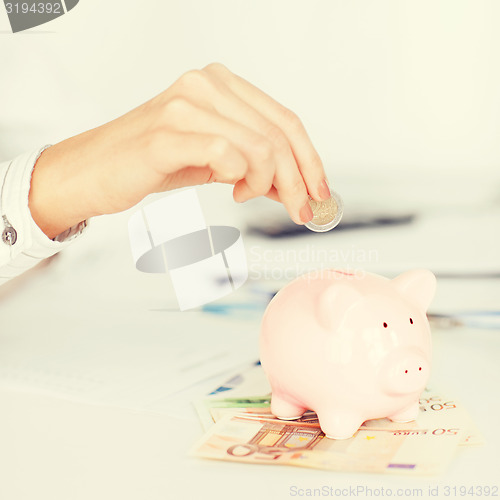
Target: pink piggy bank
{"type": "Point", "coordinates": [351, 347]}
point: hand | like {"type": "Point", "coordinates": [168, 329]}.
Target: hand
{"type": "Point", "coordinates": [209, 126]}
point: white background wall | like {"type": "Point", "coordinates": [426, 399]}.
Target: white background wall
{"type": "Point", "coordinates": [400, 94]}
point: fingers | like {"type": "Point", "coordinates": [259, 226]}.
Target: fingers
{"type": "Point", "coordinates": [307, 158]}
{"type": "Point", "coordinates": [273, 195]}
{"type": "Point", "coordinates": [288, 179]}
{"type": "Point", "coordinates": [306, 211]}
{"type": "Point", "coordinates": [224, 161]}
{"type": "Point", "coordinates": [293, 195]}
{"type": "Point", "coordinates": [278, 153]}
{"type": "Point", "coordinates": [272, 143]}
{"type": "Point", "coordinates": [255, 148]}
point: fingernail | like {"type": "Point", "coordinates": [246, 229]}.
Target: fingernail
{"type": "Point", "coordinates": [324, 190]}
{"type": "Point", "coordinates": [306, 213]}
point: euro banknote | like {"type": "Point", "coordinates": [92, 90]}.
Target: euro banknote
{"type": "Point", "coordinates": [242, 429]}
{"type": "Point", "coordinates": [255, 439]}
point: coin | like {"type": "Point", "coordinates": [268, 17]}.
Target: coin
{"type": "Point", "coordinates": [326, 214]}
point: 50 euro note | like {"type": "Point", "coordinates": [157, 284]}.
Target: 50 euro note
{"type": "Point", "coordinates": [252, 434]}
{"type": "Point", "coordinates": [434, 409]}
{"type": "Point", "coordinates": [253, 439]}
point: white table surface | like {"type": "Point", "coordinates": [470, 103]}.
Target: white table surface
{"type": "Point", "coordinates": [55, 447]}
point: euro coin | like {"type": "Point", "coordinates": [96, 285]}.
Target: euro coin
{"type": "Point", "coordinates": [326, 214]}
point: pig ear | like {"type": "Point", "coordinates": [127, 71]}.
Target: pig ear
{"type": "Point", "coordinates": [418, 285]}
{"type": "Point", "coordinates": [334, 301]}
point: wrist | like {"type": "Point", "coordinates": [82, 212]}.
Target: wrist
{"type": "Point", "coordinates": [53, 201]}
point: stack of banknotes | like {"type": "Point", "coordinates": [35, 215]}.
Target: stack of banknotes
{"type": "Point", "coordinates": [241, 428]}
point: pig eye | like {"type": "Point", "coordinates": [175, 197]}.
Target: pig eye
{"type": "Point", "coordinates": [385, 325]}
{"type": "Point", "coordinates": [411, 321]}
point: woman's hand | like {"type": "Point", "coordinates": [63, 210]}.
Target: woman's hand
{"type": "Point", "coordinates": [209, 126]}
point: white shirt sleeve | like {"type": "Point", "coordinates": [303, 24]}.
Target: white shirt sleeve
{"type": "Point", "coordinates": [22, 243]}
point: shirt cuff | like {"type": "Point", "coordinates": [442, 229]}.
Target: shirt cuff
{"type": "Point", "coordinates": [31, 244]}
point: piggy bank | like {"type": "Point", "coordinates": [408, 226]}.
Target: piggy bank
{"type": "Point", "coordinates": [349, 346]}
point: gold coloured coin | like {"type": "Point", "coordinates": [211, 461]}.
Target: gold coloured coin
{"type": "Point", "coordinates": [327, 214]}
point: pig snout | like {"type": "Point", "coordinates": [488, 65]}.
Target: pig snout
{"type": "Point", "coordinates": [405, 373]}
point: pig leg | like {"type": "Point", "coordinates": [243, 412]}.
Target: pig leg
{"type": "Point", "coordinates": [407, 415]}
{"type": "Point", "coordinates": [339, 424]}
{"type": "Point", "coordinates": [284, 410]}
